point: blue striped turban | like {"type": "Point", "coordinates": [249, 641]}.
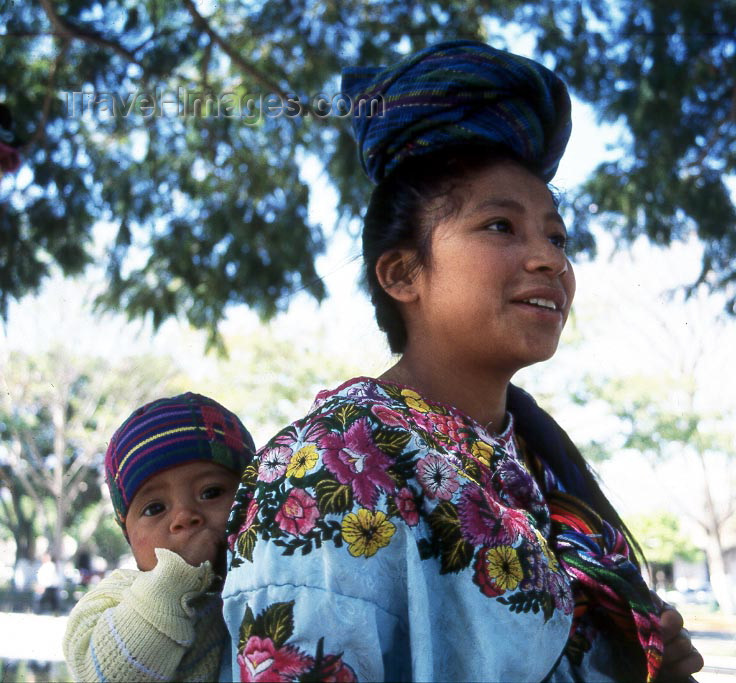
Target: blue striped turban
{"type": "Point", "coordinates": [454, 93]}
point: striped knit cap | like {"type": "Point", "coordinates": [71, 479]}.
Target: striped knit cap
{"type": "Point", "coordinates": [170, 432]}
{"type": "Point", "coordinates": [454, 93]}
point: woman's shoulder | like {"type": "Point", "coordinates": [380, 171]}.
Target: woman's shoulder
{"type": "Point", "coordinates": [334, 409]}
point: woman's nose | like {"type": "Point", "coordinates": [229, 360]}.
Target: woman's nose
{"type": "Point", "coordinates": [544, 256]}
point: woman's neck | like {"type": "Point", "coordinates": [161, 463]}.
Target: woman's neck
{"type": "Point", "coordinates": [481, 395]}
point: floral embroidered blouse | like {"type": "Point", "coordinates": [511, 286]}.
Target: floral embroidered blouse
{"type": "Point", "coordinates": [386, 537]}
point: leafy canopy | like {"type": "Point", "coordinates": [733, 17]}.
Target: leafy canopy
{"type": "Point", "coordinates": [203, 211]}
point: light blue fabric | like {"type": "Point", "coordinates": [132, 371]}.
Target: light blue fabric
{"type": "Point", "coordinates": [409, 610]}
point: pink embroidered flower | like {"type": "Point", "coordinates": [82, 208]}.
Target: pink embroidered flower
{"type": "Point", "coordinates": [484, 521]}
{"type": "Point", "coordinates": [482, 578]}
{"type": "Point", "coordinates": [334, 670]}
{"type": "Point", "coordinates": [273, 463]}
{"type": "Point", "coordinates": [437, 477]}
{"type": "Point", "coordinates": [478, 515]}
{"type": "Point", "coordinates": [515, 524]}
{"type": "Point", "coordinates": [561, 593]}
{"type": "Point", "coordinates": [355, 459]}
{"type": "Point", "coordinates": [444, 427]}
{"type": "Point", "coordinates": [407, 506]}
{"type": "Point", "coordinates": [298, 514]}
{"type": "Point", "coordinates": [295, 436]}
{"type": "Point", "coordinates": [261, 661]}
{"type": "Point", "coordinates": [389, 417]}
{"type": "Point", "coordinates": [250, 514]}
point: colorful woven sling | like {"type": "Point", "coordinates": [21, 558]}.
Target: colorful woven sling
{"type": "Point", "coordinates": [606, 582]}
{"type": "Point", "coordinates": [597, 557]}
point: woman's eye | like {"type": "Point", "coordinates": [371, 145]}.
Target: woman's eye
{"type": "Point", "coordinates": [498, 226]}
{"type": "Point", "coordinates": [212, 492]}
{"type": "Point", "coordinates": [560, 241]}
{"type": "Point", "coordinates": [153, 509]}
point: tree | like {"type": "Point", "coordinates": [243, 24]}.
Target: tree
{"type": "Point", "coordinates": [700, 442]}
{"type": "Point", "coordinates": [56, 418]}
{"type": "Point", "coordinates": [662, 538]}
{"type": "Point", "coordinates": [666, 72]}
{"type": "Point", "coordinates": [209, 210]}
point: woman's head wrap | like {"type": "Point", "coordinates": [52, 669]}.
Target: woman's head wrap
{"type": "Point", "coordinates": [454, 93]}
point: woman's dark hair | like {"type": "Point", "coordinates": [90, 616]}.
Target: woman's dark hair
{"type": "Point", "coordinates": [403, 209]}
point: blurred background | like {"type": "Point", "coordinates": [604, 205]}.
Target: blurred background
{"type": "Point", "coordinates": [167, 223]}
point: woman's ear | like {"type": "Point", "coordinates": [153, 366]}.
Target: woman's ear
{"type": "Point", "coordinates": [396, 271]}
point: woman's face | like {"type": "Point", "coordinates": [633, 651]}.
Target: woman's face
{"type": "Point", "coordinates": [498, 286]}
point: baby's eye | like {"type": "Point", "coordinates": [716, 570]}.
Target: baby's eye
{"type": "Point", "coordinates": [212, 492]}
{"type": "Point", "coordinates": [153, 509]}
{"type": "Point", "coordinates": [498, 226]}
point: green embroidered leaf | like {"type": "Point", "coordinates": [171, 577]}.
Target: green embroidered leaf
{"type": "Point", "coordinates": [308, 481]}
{"type": "Point", "coordinates": [403, 468]}
{"type": "Point", "coordinates": [246, 628]}
{"type": "Point", "coordinates": [426, 551]}
{"type": "Point", "coordinates": [392, 509]}
{"type": "Point", "coordinates": [246, 543]}
{"type": "Point", "coordinates": [346, 413]}
{"type": "Point", "coordinates": [392, 443]}
{"type": "Point", "coordinates": [249, 476]}
{"type": "Point", "coordinates": [333, 497]}
{"type": "Point", "coordinates": [548, 606]}
{"type": "Point", "coordinates": [444, 521]}
{"type": "Point", "coordinates": [530, 601]}
{"type": "Point", "coordinates": [276, 622]}
{"type": "Point", "coordinates": [471, 470]}
{"type": "Point", "coordinates": [394, 392]}
{"type": "Point", "coordinates": [455, 552]}
{"type": "Point", "coordinates": [455, 556]}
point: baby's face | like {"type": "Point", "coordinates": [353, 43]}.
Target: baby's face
{"type": "Point", "coordinates": [183, 509]}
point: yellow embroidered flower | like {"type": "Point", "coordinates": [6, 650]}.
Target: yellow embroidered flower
{"type": "Point", "coordinates": [302, 461]}
{"type": "Point", "coordinates": [483, 451]}
{"type": "Point", "coordinates": [414, 400]}
{"type": "Point", "coordinates": [366, 532]}
{"type": "Point", "coordinates": [504, 567]}
{"type": "Point", "coordinates": [551, 559]}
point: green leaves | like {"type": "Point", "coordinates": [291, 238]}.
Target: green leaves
{"type": "Point", "coordinates": [455, 552]}
{"type": "Point", "coordinates": [333, 497]}
{"type": "Point", "coordinates": [665, 73]}
{"type": "Point", "coordinates": [275, 622]}
{"type": "Point", "coordinates": [212, 209]}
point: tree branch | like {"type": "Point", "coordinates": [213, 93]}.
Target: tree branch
{"type": "Point", "coordinates": [48, 97]}
{"type": "Point", "coordinates": [22, 476]}
{"type": "Point", "coordinates": [70, 31]}
{"type": "Point", "coordinates": [713, 137]}
{"type": "Point", "coordinates": [11, 522]}
{"type": "Point", "coordinates": [244, 66]}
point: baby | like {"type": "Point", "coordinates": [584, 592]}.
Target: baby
{"type": "Point", "coordinates": [172, 468]}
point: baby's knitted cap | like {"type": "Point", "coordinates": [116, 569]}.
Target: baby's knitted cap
{"type": "Point", "coordinates": [170, 432]}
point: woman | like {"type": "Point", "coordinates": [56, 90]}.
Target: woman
{"type": "Point", "coordinates": [434, 523]}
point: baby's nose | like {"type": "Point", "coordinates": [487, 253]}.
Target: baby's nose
{"type": "Point", "coordinates": [186, 516]}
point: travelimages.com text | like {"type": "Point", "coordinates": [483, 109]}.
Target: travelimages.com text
{"type": "Point", "coordinates": [251, 108]}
